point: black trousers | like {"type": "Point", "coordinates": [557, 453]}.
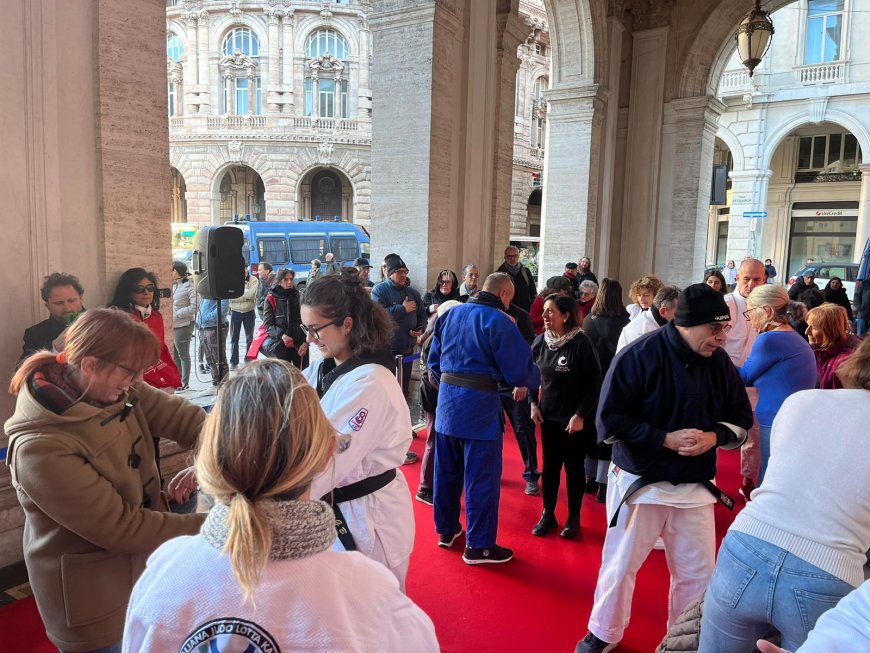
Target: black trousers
{"type": "Point", "coordinates": [562, 449]}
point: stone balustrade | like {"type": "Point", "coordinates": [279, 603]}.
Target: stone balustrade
{"type": "Point", "coordinates": [263, 123]}
{"type": "Point", "coordinates": [734, 83]}
{"type": "Point", "coordinates": [823, 73]}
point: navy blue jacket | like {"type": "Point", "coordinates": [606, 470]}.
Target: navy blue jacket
{"type": "Point", "coordinates": [659, 385]}
{"type": "Point", "coordinates": [391, 296]}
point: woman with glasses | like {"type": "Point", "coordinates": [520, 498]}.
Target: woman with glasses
{"type": "Point", "coordinates": [137, 294]}
{"type": "Point", "coordinates": [780, 362]}
{"type": "Point", "coordinates": [84, 469]}
{"type": "Point", "coordinates": [282, 322]}
{"type": "Point", "coordinates": [264, 549]}
{"type": "Point", "coordinates": [446, 288]}
{"type": "Point", "coordinates": [356, 383]}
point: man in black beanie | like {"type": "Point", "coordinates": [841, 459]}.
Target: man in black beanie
{"type": "Point", "coordinates": [667, 402]}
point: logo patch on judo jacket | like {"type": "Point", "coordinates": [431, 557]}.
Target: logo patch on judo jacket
{"type": "Point", "coordinates": [356, 422]}
{"type": "Point", "coordinates": [230, 634]}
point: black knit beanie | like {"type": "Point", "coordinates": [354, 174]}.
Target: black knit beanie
{"type": "Point", "coordinates": [700, 304]}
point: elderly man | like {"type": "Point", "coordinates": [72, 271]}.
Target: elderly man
{"type": "Point", "coordinates": [524, 284]}
{"type": "Point", "coordinates": [738, 344]}
{"type": "Point", "coordinates": [570, 274]}
{"type": "Point", "coordinates": [667, 402]}
{"type": "Point", "coordinates": [475, 346]}
{"type": "Point", "coordinates": [470, 276]}
{"type": "Point", "coordinates": [62, 294]}
{"type": "Point", "coordinates": [803, 283]}
{"type": "Point", "coordinates": [364, 268]}
{"type": "Point", "coordinates": [664, 307]}
{"type": "Point", "coordinates": [330, 266]}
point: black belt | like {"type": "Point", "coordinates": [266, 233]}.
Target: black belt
{"type": "Point", "coordinates": [641, 482]}
{"type": "Point", "coordinates": [349, 493]}
{"type": "Point", "coordinates": [473, 381]}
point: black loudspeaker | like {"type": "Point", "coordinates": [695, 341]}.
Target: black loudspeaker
{"type": "Point", "coordinates": [218, 264]}
{"type": "Point", "coordinates": [719, 187]}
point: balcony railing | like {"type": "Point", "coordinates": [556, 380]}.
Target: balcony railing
{"type": "Point", "coordinates": [734, 82]}
{"type": "Point", "coordinates": [225, 123]}
{"type": "Point", "coordinates": [823, 73]}
{"type": "Point", "coordinates": [325, 124]}
{"type": "Point", "coordinates": [176, 122]}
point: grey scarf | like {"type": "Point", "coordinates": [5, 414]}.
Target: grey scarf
{"type": "Point", "coordinates": [513, 269]}
{"type": "Point", "coordinates": [299, 528]}
{"type": "Point", "coordinates": [554, 342]}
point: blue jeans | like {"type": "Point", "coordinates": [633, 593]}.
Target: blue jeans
{"type": "Point", "coordinates": [757, 585]}
{"type": "Point", "coordinates": [114, 648]}
{"type": "Point", "coordinates": [764, 451]}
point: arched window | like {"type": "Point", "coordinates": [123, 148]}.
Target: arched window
{"type": "Point", "coordinates": [174, 72]}
{"type": "Point", "coordinates": [174, 47]}
{"type": "Point", "coordinates": [239, 69]}
{"type": "Point", "coordinates": [326, 41]}
{"type": "Point", "coordinates": [326, 83]}
{"type": "Point", "coordinates": [243, 40]}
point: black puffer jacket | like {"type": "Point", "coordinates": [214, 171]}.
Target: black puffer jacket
{"type": "Point", "coordinates": [284, 318]}
{"type": "Point", "coordinates": [838, 297]}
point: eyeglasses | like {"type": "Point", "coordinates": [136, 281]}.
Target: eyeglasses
{"type": "Point", "coordinates": [314, 331]}
{"type": "Point", "coordinates": [749, 312]}
{"type": "Point", "coordinates": [141, 290]}
{"type": "Point", "coordinates": [718, 329]}
{"type": "Point", "coordinates": [443, 281]}
{"type": "Point", "coordinates": [129, 370]}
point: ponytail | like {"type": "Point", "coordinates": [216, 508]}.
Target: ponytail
{"type": "Point", "coordinates": [28, 367]}
{"type": "Point", "coordinates": [249, 543]}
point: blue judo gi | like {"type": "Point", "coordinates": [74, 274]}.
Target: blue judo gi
{"type": "Point", "coordinates": [475, 338]}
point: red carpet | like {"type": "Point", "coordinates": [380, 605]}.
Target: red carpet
{"type": "Point", "coordinates": [540, 601]}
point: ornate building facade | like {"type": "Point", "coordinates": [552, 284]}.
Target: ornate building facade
{"type": "Point", "coordinates": [269, 110]}
{"type": "Point", "coordinates": [793, 136]}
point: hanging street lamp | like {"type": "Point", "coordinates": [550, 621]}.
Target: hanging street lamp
{"type": "Point", "coordinates": [753, 37]}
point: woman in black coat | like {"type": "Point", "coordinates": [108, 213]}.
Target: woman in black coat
{"type": "Point", "coordinates": [282, 322]}
{"type": "Point", "coordinates": [836, 294]}
{"type": "Point", "coordinates": [446, 288]}
{"type": "Point", "coordinates": [565, 408]}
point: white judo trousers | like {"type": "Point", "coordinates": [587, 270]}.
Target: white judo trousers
{"type": "Point", "coordinates": [367, 408]}
{"type": "Point", "coordinates": [690, 549]}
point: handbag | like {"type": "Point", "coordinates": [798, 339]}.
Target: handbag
{"type": "Point", "coordinates": [164, 374]}
{"type": "Point", "coordinates": [259, 343]}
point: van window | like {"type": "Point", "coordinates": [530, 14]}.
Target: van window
{"type": "Point", "coordinates": [304, 250]}
{"type": "Point", "coordinates": [344, 247]}
{"type": "Point", "coordinates": [273, 250]}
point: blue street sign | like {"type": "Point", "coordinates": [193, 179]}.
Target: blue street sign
{"type": "Point", "coordinates": [754, 214]}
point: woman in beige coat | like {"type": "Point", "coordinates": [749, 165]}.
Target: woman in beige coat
{"type": "Point", "coordinates": [83, 466]}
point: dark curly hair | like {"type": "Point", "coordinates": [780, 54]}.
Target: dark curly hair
{"type": "Point", "coordinates": [343, 294]}
{"type": "Point", "coordinates": [58, 279]}
{"type": "Point", "coordinates": [124, 291]}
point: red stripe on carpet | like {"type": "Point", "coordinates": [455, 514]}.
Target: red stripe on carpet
{"type": "Point", "coordinates": [540, 601]}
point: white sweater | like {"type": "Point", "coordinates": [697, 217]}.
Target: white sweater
{"type": "Point", "coordinates": [188, 599]}
{"type": "Point", "coordinates": [814, 502]}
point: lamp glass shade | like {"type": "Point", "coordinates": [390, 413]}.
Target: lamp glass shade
{"type": "Point", "coordinates": [753, 38]}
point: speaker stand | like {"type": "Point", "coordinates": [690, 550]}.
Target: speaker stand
{"type": "Point", "coordinates": [222, 347]}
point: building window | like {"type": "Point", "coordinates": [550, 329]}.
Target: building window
{"type": "Point", "coordinates": [828, 153]}
{"type": "Point", "coordinates": [239, 68]}
{"type": "Point", "coordinates": [174, 53]}
{"type": "Point", "coordinates": [541, 49]}
{"type": "Point", "coordinates": [824, 31]}
{"type": "Point", "coordinates": [242, 39]}
{"type": "Point", "coordinates": [326, 41]}
{"type": "Point", "coordinates": [326, 83]}
{"type": "Point", "coordinates": [174, 47]}
{"type": "Point", "coordinates": [539, 112]}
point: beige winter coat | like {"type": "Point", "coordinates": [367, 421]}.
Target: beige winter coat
{"type": "Point", "coordinates": [83, 479]}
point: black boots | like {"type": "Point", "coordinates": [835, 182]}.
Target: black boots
{"type": "Point", "coordinates": [572, 526]}
{"type": "Point", "coordinates": [548, 521]}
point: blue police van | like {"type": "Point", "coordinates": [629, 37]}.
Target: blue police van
{"type": "Point", "coordinates": [294, 244]}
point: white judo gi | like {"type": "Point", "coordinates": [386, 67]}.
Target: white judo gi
{"type": "Point", "coordinates": [368, 407]}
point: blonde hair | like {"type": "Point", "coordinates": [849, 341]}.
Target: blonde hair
{"type": "Point", "coordinates": [650, 282]}
{"type": "Point", "coordinates": [832, 321]}
{"type": "Point", "coordinates": [266, 439]}
{"type": "Point", "coordinates": [108, 334]}
{"type": "Point", "coordinates": [777, 298]}
{"type": "Point", "coordinates": [854, 373]}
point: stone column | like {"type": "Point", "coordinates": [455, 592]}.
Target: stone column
{"type": "Point", "coordinates": [230, 94]}
{"type": "Point", "coordinates": [336, 98]}
{"type": "Point", "coordinates": [748, 193]}
{"type": "Point", "coordinates": [863, 230]}
{"type": "Point", "coordinates": [643, 148]}
{"type": "Point", "coordinates": [315, 96]}
{"type": "Point", "coordinates": [203, 78]}
{"type": "Point", "coordinates": [364, 99]}
{"type": "Point", "coordinates": [190, 95]}
{"type": "Point", "coordinates": [287, 59]}
{"type": "Point", "coordinates": [688, 138]}
{"type": "Point", "coordinates": [272, 92]}
{"type": "Point", "coordinates": [252, 93]}
{"type": "Point", "coordinates": [569, 213]}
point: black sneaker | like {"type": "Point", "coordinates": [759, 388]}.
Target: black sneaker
{"type": "Point", "coordinates": [601, 495]}
{"type": "Point", "coordinates": [424, 495]}
{"type": "Point", "coordinates": [410, 458]}
{"type": "Point", "coordinates": [533, 488]}
{"type": "Point", "coordinates": [591, 486]}
{"type": "Point", "coordinates": [490, 555]}
{"type": "Point", "coordinates": [591, 644]}
{"type": "Point", "coordinates": [446, 541]}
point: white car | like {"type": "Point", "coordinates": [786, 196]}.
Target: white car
{"type": "Point", "coordinates": [847, 272]}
